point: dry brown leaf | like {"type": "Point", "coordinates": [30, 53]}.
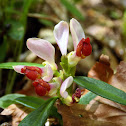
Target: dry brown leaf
{"type": "Point", "coordinates": [76, 115]}
{"type": "Point", "coordinates": [114, 61]}
{"type": "Point", "coordinates": [119, 79]}
{"type": "Point", "coordinates": [101, 70]}
{"type": "Point", "coordinates": [18, 113]}
{"type": "Point", "coordinates": [107, 110]}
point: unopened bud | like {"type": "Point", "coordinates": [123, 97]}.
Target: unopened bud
{"type": "Point", "coordinates": [32, 72]}
{"type": "Point", "coordinates": [41, 87]}
{"type": "Point", "coordinates": [84, 48]}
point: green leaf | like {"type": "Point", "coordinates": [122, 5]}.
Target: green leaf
{"type": "Point", "coordinates": [101, 88]}
{"type": "Point", "coordinates": [16, 30]}
{"type": "Point", "coordinates": [39, 116]}
{"type": "Point", "coordinates": [7, 100]}
{"type": "Point", "coordinates": [9, 65]}
{"type": "Point", "coordinates": [54, 113]}
{"type": "Point", "coordinates": [87, 98]}
{"type": "Point", "coordinates": [35, 102]}
{"type": "Point", "coordinates": [30, 101]}
{"type": "Point", "coordinates": [124, 29]}
{"type": "Point", "coordinates": [26, 6]}
{"type": "Point", "coordinates": [72, 9]}
{"type": "Point", "coordinates": [115, 15]}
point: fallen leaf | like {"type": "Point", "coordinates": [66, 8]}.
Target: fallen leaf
{"type": "Point", "coordinates": [119, 78]}
{"type": "Point", "coordinates": [106, 110]}
{"type": "Point", "coordinates": [114, 62]}
{"type": "Point", "coordinates": [101, 70]}
{"type": "Point", "coordinates": [76, 115]}
{"type": "Point", "coordinates": [18, 112]}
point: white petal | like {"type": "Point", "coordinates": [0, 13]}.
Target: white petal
{"type": "Point", "coordinates": [66, 84]}
{"type": "Point", "coordinates": [18, 68]}
{"type": "Point", "coordinates": [53, 65]}
{"type": "Point", "coordinates": [42, 49]}
{"type": "Point", "coordinates": [47, 73]}
{"type": "Point", "coordinates": [54, 86]}
{"type": "Point", "coordinates": [73, 59]}
{"type": "Point", "coordinates": [76, 31]}
{"type": "Point", "coordinates": [61, 33]}
{"type": "Point", "coordinates": [53, 90]}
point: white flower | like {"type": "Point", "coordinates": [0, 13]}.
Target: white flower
{"type": "Point", "coordinates": [32, 72]}
{"type": "Point", "coordinates": [66, 84]}
{"type": "Point", "coordinates": [61, 33]}
{"type": "Point", "coordinates": [43, 49]}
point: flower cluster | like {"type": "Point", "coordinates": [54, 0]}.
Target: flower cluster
{"type": "Point", "coordinates": [47, 80]}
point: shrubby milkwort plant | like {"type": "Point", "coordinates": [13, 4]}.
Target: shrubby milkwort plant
{"type": "Point", "coordinates": [47, 79]}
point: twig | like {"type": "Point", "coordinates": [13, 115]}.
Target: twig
{"type": "Point", "coordinates": [39, 16]}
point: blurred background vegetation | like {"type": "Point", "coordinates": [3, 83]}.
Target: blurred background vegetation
{"type": "Point", "coordinates": [104, 21]}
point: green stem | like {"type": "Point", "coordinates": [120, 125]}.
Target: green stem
{"type": "Point", "coordinates": [124, 35]}
{"type": "Point", "coordinates": [0, 78]}
{"type": "Point", "coordinates": [23, 19]}
{"type": "Point", "coordinates": [56, 73]}
{"type": "Point", "coordinates": [10, 82]}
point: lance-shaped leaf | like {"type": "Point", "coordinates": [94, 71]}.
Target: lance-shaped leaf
{"type": "Point", "coordinates": [9, 65]}
{"type": "Point", "coordinates": [72, 9]}
{"type": "Point", "coordinates": [61, 33]}
{"type": "Point", "coordinates": [35, 102]}
{"type": "Point", "coordinates": [101, 88]}
{"type": "Point", "coordinates": [30, 101]}
{"type": "Point", "coordinates": [39, 116]}
{"type": "Point", "coordinates": [76, 31]}
{"type": "Point", "coordinates": [9, 99]}
{"type": "Point", "coordinates": [87, 98]}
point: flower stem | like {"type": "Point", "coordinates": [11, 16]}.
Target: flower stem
{"type": "Point", "coordinates": [23, 20]}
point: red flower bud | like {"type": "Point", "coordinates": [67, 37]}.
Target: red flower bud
{"type": "Point", "coordinates": [32, 72]}
{"type": "Point", "coordinates": [84, 48]}
{"type": "Point", "coordinates": [41, 87]}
